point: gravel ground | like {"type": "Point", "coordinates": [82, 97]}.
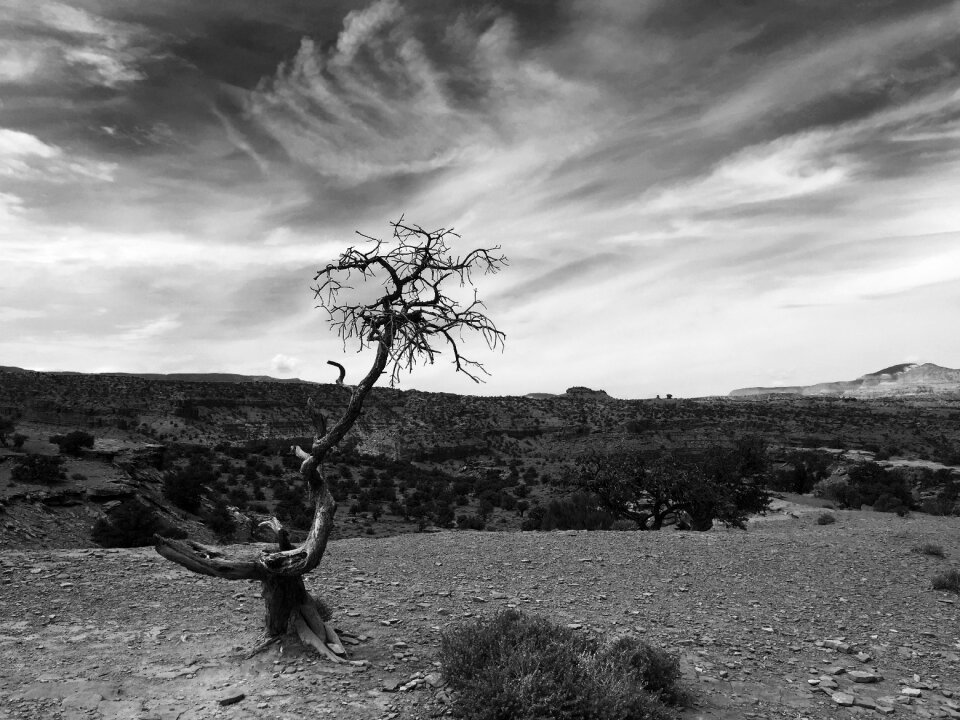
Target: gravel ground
{"type": "Point", "coordinates": [766, 621]}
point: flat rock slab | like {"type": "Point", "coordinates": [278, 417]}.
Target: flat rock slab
{"type": "Point", "coordinates": [842, 698]}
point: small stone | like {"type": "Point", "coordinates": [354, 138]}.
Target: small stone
{"type": "Point", "coordinates": [864, 676]}
{"type": "Point", "coordinates": [390, 685]}
{"type": "Point", "coordinates": [434, 680]}
{"type": "Point", "coordinates": [864, 657]}
{"type": "Point", "coordinates": [835, 670]}
{"type": "Point", "coordinates": [837, 645]}
{"type": "Point", "coordinates": [232, 700]}
{"type": "Point", "coordinates": [884, 709]}
{"type": "Point", "coordinates": [842, 698]}
{"type": "Point", "coordinates": [865, 702]}
{"type": "Point", "coordinates": [911, 692]}
{"type": "Point", "coordinates": [828, 682]}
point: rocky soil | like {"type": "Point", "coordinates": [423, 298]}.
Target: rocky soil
{"type": "Point", "coordinates": [789, 619]}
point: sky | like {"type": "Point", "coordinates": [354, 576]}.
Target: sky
{"type": "Point", "coordinates": [694, 195]}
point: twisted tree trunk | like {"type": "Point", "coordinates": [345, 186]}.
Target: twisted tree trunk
{"type": "Point", "coordinates": [288, 607]}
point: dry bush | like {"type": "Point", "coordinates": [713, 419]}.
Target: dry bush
{"type": "Point", "coordinates": [949, 580]}
{"type": "Point", "coordinates": [930, 549]}
{"type": "Point", "coordinates": [525, 667]}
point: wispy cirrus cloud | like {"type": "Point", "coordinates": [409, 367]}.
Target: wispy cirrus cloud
{"type": "Point", "coordinates": [56, 41]}
{"type": "Point", "coordinates": [378, 104]}
{"type": "Point", "coordinates": [25, 157]}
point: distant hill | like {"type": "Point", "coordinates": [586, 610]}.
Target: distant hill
{"type": "Point", "coordinates": [896, 380]}
{"type": "Point", "coordinates": [174, 377]}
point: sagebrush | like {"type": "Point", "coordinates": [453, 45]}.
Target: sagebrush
{"type": "Point", "coordinates": [515, 666]}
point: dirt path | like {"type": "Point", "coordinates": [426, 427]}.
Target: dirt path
{"type": "Point", "coordinates": [125, 634]}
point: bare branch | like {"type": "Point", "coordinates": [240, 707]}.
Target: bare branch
{"type": "Point", "coordinates": [412, 310]}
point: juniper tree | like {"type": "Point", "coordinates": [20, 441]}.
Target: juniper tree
{"type": "Point", "coordinates": [408, 317]}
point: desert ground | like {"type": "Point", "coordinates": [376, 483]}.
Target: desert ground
{"type": "Point", "coordinates": [775, 621]}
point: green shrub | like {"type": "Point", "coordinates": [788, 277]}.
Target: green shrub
{"type": "Point", "coordinates": [949, 580]}
{"type": "Point", "coordinates": [219, 519]}
{"type": "Point", "coordinates": [523, 667]}
{"type": "Point", "coordinates": [38, 469]}
{"type": "Point", "coordinates": [185, 487]}
{"type": "Point", "coordinates": [132, 524]}
{"type": "Point", "coordinates": [826, 519]}
{"type": "Point", "coordinates": [73, 442]}
{"type": "Point", "coordinates": [930, 549]}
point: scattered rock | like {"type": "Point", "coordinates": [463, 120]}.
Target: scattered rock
{"type": "Point", "coordinates": [842, 698]}
{"type": "Point", "coordinates": [837, 645]}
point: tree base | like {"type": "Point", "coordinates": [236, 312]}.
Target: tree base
{"type": "Point", "coordinates": [291, 609]}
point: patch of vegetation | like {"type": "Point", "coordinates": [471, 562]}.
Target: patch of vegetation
{"type": "Point", "coordinates": [132, 524]}
{"type": "Point", "coordinates": [184, 487]}
{"type": "Point", "coordinates": [579, 511]}
{"type": "Point", "coordinates": [826, 519]}
{"type": "Point", "coordinates": [74, 442]}
{"type": "Point", "coordinates": [724, 484]}
{"type": "Point", "coordinates": [219, 519]}
{"type": "Point", "coordinates": [523, 667]}
{"type": "Point", "coordinates": [949, 580]}
{"type": "Point", "coordinates": [869, 484]}
{"type": "Point", "coordinates": [931, 549]}
{"type": "Point", "coordinates": [7, 427]}
{"type": "Point", "coordinates": [38, 470]}
{"type": "Point", "coordinates": [804, 469]}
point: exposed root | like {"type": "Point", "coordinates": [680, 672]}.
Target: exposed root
{"type": "Point", "coordinates": [332, 640]}
{"type": "Point", "coordinates": [309, 637]}
{"type": "Point", "coordinates": [319, 628]}
{"type": "Point", "coordinates": [257, 649]}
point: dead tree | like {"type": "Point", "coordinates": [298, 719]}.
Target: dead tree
{"type": "Point", "coordinates": [410, 319]}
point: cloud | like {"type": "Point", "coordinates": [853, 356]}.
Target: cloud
{"type": "Point", "coordinates": [378, 105]}
{"type": "Point", "coordinates": [672, 180]}
{"type": "Point", "coordinates": [25, 157]}
{"type": "Point", "coordinates": [58, 42]}
{"type": "Point", "coordinates": [284, 364]}
{"type": "Point", "coordinates": [875, 58]}
{"type": "Point", "coordinates": [150, 330]}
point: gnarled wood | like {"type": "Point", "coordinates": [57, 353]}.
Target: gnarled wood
{"type": "Point", "coordinates": [240, 564]}
{"type": "Point", "coordinates": [411, 313]}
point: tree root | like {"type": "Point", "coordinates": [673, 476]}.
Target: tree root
{"type": "Point", "coordinates": [309, 637]}
{"type": "Point", "coordinates": [260, 647]}
{"type": "Point", "coordinates": [322, 630]}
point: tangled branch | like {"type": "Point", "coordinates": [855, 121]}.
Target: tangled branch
{"type": "Point", "coordinates": [412, 312]}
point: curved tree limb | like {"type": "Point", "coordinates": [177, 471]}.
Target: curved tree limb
{"type": "Point", "coordinates": [341, 368]}
{"type": "Point", "coordinates": [206, 560]}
